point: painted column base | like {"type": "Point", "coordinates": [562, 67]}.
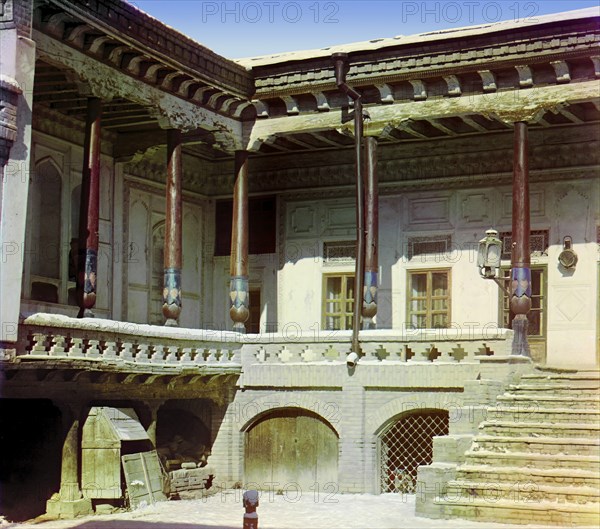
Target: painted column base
{"type": "Point", "coordinates": [59, 508]}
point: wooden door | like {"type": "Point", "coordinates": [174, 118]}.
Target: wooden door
{"type": "Point", "coordinates": [290, 446]}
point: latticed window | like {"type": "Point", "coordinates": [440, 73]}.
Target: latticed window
{"type": "Point", "coordinates": [339, 252]}
{"type": "Point", "coordinates": [405, 445]}
{"type": "Point", "coordinates": [429, 299]}
{"type": "Point", "coordinates": [432, 245]}
{"type": "Point", "coordinates": [338, 302]}
{"type": "Point", "coordinates": [538, 243]}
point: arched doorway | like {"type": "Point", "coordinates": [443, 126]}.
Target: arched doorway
{"type": "Point", "coordinates": [405, 444]}
{"type": "Point", "coordinates": [290, 446]}
{"type": "Point", "coordinates": [181, 436]}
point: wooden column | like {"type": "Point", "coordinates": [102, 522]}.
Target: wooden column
{"type": "Point", "coordinates": [87, 263]}
{"type": "Point", "coordinates": [239, 295]}
{"type": "Point", "coordinates": [172, 250]}
{"type": "Point", "coordinates": [520, 301]}
{"type": "Point", "coordinates": [369, 302]}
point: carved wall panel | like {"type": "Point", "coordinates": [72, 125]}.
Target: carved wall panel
{"type": "Point", "coordinates": [477, 207]}
{"type": "Point", "coordinates": [428, 211]}
{"type": "Point", "coordinates": [338, 220]}
{"type": "Point", "coordinates": [302, 221]}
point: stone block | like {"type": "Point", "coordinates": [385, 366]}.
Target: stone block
{"type": "Point", "coordinates": [58, 508]}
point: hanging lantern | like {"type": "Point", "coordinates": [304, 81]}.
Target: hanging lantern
{"type": "Point", "coordinates": [489, 254]}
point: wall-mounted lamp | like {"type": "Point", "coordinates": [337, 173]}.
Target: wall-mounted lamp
{"type": "Point", "coordinates": [489, 254]}
{"type": "Point", "coordinates": [568, 258]}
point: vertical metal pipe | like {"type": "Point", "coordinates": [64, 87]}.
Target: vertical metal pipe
{"type": "Point", "coordinates": [239, 309]}
{"type": "Point", "coordinates": [173, 229]}
{"type": "Point", "coordinates": [369, 301]}
{"type": "Point", "coordinates": [87, 262]}
{"type": "Point", "coordinates": [360, 226]}
{"type": "Point", "coordinates": [341, 67]}
{"type": "Point", "coordinates": [520, 301]}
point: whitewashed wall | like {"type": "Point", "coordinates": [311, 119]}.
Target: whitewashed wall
{"type": "Point", "coordinates": [145, 206]}
{"type": "Point", "coordinates": [565, 209]}
{"type": "Point", "coordinates": [68, 159]}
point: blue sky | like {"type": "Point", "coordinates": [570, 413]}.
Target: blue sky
{"type": "Point", "coordinates": [247, 28]}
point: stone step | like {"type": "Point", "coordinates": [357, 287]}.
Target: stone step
{"type": "Point", "coordinates": [534, 413]}
{"type": "Point", "coordinates": [529, 459]}
{"type": "Point", "coordinates": [544, 512]}
{"type": "Point", "coordinates": [546, 377]}
{"type": "Point", "coordinates": [521, 491]}
{"type": "Point", "coordinates": [582, 389]}
{"type": "Point", "coordinates": [533, 429]}
{"type": "Point", "coordinates": [538, 445]}
{"type": "Point", "coordinates": [538, 476]}
{"type": "Point", "coordinates": [551, 401]}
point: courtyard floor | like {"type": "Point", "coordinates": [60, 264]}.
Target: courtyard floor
{"type": "Point", "coordinates": [290, 511]}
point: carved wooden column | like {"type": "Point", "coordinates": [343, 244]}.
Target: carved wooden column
{"type": "Point", "coordinates": [69, 502]}
{"type": "Point", "coordinates": [172, 250]}
{"type": "Point", "coordinates": [239, 295]}
{"type": "Point", "coordinates": [87, 263]}
{"type": "Point", "coordinates": [369, 302]}
{"type": "Point", "coordinates": [520, 300]}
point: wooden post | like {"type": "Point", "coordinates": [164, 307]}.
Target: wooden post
{"type": "Point", "coordinates": [520, 301]}
{"type": "Point", "coordinates": [369, 301]}
{"type": "Point", "coordinates": [238, 268]}
{"type": "Point", "coordinates": [87, 263]}
{"type": "Point", "coordinates": [172, 250]}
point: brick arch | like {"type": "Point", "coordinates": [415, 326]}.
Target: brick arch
{"type": "Point", "coordinates": [377, 421]}
{"type": "Point", "coordinates": [252, 411]}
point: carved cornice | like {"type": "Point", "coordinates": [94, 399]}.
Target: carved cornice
{"type": "Point", "coordinates": [143, 35]}
{"type": "Point", "coordinates": [409, 65]}
{"type": "Point", "coordinates": [9, 98]}
{"type": "Point", "coordinates": [108, 83]}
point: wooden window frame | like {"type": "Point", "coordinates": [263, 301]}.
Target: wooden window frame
{"type": "Point", "coordinates": [504, 300]}
{"type": "Point", "coordinates": [346, 302]}
{"type": "Point", "coordinates": [429, 312]}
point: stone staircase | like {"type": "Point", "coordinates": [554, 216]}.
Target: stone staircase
{"type": "Point", "coordinates": [536, 457]}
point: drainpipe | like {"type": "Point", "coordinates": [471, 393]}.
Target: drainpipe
{"type": "Point", "coordinates": [340, 61]}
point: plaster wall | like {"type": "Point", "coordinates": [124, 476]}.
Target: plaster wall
{"type": "Point", "coordinates": [561, 208]}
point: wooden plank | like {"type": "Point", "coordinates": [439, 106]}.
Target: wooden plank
{"type": "Point", "coordinates": [143, 477]}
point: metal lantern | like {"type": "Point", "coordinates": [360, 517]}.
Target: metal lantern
{"type": "Point", "coordinates": [489, 254]}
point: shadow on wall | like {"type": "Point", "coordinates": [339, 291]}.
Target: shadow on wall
{"type": "Point", "coordinates": [30, 448]}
